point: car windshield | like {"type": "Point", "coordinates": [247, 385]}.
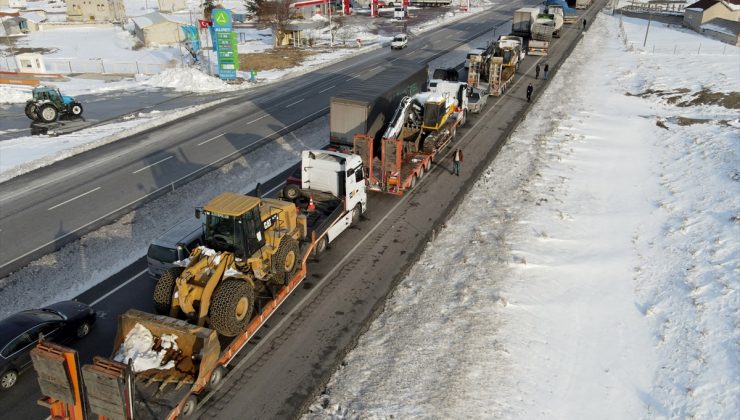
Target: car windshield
{"type": "Point", "coordinates": [398, 38]}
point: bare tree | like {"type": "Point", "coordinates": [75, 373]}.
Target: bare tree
{"type": "Point", "coordinates": [277, 13]}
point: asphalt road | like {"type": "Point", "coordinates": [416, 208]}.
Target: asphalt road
{"type": "Point", "coordinates": [296, 352]}
{"type": "Point", "coordinates": [45, 209]}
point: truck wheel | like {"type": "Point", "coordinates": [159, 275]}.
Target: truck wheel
{"type": "Point", "coordinates": [218, 374]}
{"type": "Point", "coordinates": [231, 307]}
{"type": "Point", "coordinates": [31, 111]}
{"type": "Point", "coordinates": [291, 191]}
{"type": "Point", "coordinates": [421, 171]}
{"type": "Point", "coordinates": [285, 261]}
{"type": "Point", "coordinates": [191, 404]}
{"type": "Point", "coordinates": [320, 246]}
{"type": "Point", "coordinates": [164, 290]}
{"type": "Point", "coordinates": [428, 165]}
{"type": "Point", "coordinates": [76, 109]}
{"type": "Point", "coordinates": [48, 113]}
{"type": "Point", "coordinates": [413, 182]}
{"type": "Point", "coordinates": [356, 213]}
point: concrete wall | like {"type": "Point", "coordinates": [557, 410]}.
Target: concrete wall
{"type": "Point", "coordinates": [721, 36]}
{"type": "Point", "coordinates": [172, 5]}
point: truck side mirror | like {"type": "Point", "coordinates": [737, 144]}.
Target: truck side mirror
{"type": "Point", "coordinates": [197, 213]}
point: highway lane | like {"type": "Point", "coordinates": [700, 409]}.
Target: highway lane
{"type": "Point", "coordinates": [50, 207]}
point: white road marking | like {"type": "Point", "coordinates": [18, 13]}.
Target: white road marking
{"type": "Point", "coordinates": [153, 164]}
{"type": "Point", "coordinates": [212, 138]}
{"type": "Point", "coordinates": [330, 87]}
{"type": "Point", "coordinates": [119, 287]}
{"type": "Point", "coordinates": [73, 198]}
{"type": "Point", "coordinates": [296, 102]}
{"type": "Point", "coordinates": [257, 119]}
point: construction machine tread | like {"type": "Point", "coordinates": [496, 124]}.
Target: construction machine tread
{"type": "Point", "coordinates": [164, 289]}
{"type": "Point", "coordinates": [230, 314]}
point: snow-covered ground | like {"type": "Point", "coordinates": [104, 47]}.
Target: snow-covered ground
{"type": "Point", "coordinates": [602, 281]}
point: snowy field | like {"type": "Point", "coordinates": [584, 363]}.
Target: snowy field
{"type": "Point", "coordinates": [603, 281]}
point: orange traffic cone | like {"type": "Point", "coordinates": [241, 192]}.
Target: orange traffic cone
{"type": "Point", "coordinates": [311, 206]}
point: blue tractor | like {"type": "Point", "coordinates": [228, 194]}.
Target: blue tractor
{"type": "Point", "coordinates": [48, 104]}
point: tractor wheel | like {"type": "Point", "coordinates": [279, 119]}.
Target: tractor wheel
{"type": "Point", "coordinates": [291, 192]}
{"type": "Point", "coordinates": [48, 113]}
{"type": "Point", "coordinates": [76, 109]}
{"type": "Point", "coordinates": [285, 261]}
{"type": "Point", "coordinates": [231, 307]}
{"type": "Point", "coordinates": [31, 111]}
{"type": "Point", "coordinates": [164, 290]}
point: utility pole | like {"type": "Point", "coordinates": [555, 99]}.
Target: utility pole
{"type": "Point", "coordinates": [650, 19]}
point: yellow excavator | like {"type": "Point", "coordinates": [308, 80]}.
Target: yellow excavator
{"type": "Point", "coordinates": [250, 244]}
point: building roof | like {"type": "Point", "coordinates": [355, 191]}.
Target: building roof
{"type": "Point", "coordinates": [702, 4]}
{"type": "Point", "coordinates": [153, 18]}
{"type": "Point", "coordinates": [724, 26]}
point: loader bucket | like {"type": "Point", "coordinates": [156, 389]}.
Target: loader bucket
{"type": "Point", "coordinates": [155, 392]}
{"type": "Point", "coordinates": [199, 346]}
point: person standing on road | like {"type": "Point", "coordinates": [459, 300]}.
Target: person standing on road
{"type": "Point", "coordinates": [537, 71]}
{"type": "Point", "coordinates": [547, 69]}
{"type": "Point", "coordinates": [457, 159]}
{"type": "Point", "coordinates": [530, 89]}
{"type": "Point", "coordinates": [584, 24]}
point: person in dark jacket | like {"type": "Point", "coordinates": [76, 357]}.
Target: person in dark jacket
{"type": "Point", "coordinates": [584, 24]}
{"type": "Point", "coordinates": [530, 89]}
{"type": "Point", "coordinates": [537, 71]}
{"type": "Point", "coordinates": [457, 159]}
{"type": "Point", "coordinates": [547, 69]}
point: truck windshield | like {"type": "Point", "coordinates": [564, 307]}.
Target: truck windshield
{"type": "Point", "coordinates": [219, 233]}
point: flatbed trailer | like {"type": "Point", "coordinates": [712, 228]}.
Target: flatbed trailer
{"type": "Point", "coordinates": [403, 161]}
{"type": "Point", "coordinates": [332, 199]}
{"type": "Point", "coordinates": [107, 389]}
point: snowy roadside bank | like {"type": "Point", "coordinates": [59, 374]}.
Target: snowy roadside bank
{"type": "Point", "coordinates": [602, 282]}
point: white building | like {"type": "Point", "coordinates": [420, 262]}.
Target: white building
{"type": "Point", "coordinates": [95, 11]}
{"type": "Point", "coordinates": [156, 29]}
{"type": "Point", "coordinates": [172, 5]}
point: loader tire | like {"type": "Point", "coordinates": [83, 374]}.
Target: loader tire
{"type": "Point", "coordinates": [164, 290]}
{"type": "Point", "coordinates": [231, 307]}
{"type": "Point", "coordinates": [285, 261]}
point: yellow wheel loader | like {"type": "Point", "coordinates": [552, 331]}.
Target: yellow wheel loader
{"type": "Point", "coordinates": [250, 244]}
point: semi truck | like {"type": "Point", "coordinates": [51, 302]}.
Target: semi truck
{"type": "Point", "coordinates": [583, 4]}
{"type": "Point", "coordinates": [421, 128]}
{"type": "Point", "coordinates": [193, 355]}
{"type": "Point", "coordinates": [523, 20]}
{"type": "Point", "coordinates": [542, 33]}
{"type": "Point", "coordinates": [561, 7]}
{"type": "Point", "coordinates": [365, 107]}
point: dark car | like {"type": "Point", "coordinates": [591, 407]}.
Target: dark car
{"type": "Point", "coordinates": [19, 334]}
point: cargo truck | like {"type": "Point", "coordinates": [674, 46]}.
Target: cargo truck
{"type": "Point", "coordinates": [193, 359]}
{"type": "Point", "coordinates": [583, 4]}
{"type": "Point", "coordinates": [541, 34]}
{"type": "Point", "coordinates": [561, 7]}
{"type": "Point", "coordinates": [523, 20]}
{"type": "Point", "coordinates": [367, 105]}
